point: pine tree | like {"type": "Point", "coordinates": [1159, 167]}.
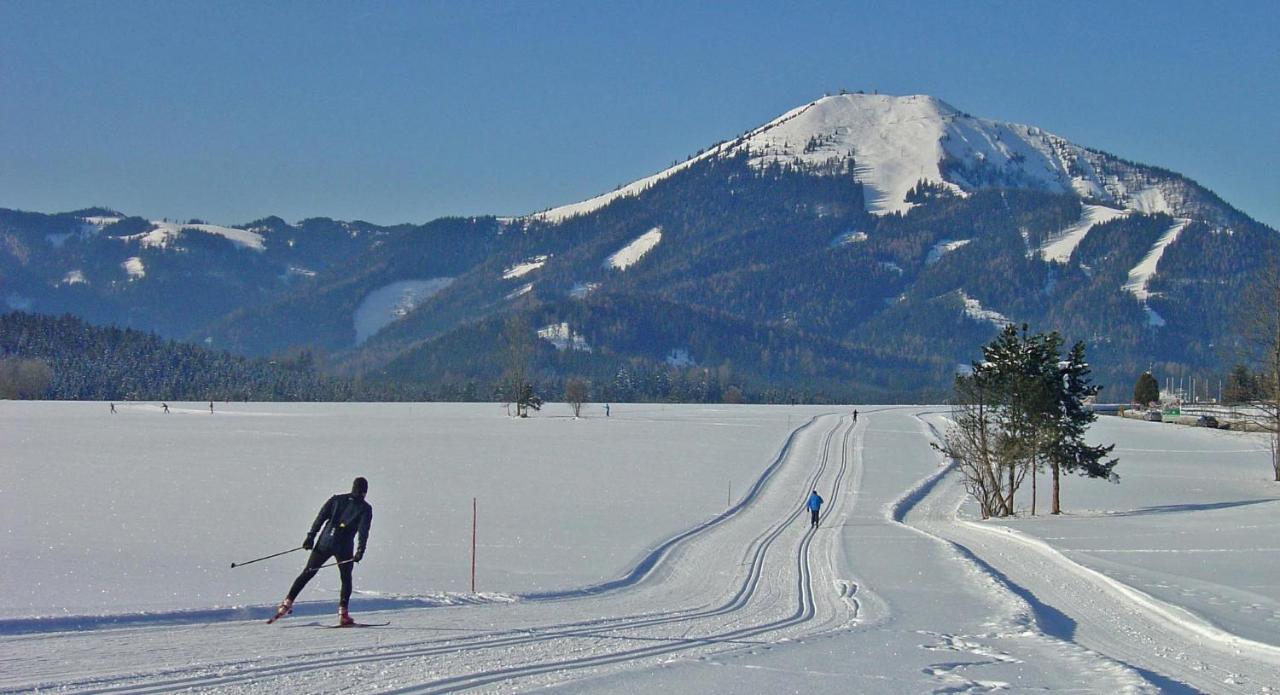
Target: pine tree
{"type": "Point", "coordinates": [1067, 450]}
{"type": "Point", "coordinates": [1146, 389]}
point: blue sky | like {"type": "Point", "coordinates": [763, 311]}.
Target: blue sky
{"type": "Point", "coordinates": [403, 112]}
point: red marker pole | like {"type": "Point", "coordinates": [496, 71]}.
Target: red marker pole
{"type": "Point", "coordinates": [473, 545]}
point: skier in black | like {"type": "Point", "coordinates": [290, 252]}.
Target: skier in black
{"type": "Point", "coordinates": [344, 516]}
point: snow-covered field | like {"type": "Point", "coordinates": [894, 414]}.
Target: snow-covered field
{"type": "Point", "coordinates": [661, 547]}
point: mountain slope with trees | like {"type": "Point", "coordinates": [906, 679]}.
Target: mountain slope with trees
{"type": "Point", "coordinates": [800, 252]}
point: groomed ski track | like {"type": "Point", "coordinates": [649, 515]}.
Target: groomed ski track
{"type": "Point", "coordinates": [755, 587]}
{"type": "Point", "coordinates": [756, 575]}
{"type": "Point", "coordinates": [1171, 647]}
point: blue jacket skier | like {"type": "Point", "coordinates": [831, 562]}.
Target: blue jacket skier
{"type": "Point", "coordinates": [815, 504]}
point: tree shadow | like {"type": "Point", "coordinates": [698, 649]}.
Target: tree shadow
{"type": "Point", "coordinates": [1204, 507]}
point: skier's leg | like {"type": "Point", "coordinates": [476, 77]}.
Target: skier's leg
{"type": "Point", "coordinates": [314, 562]}
{"type": "Point", "coordinates": [345, 572]}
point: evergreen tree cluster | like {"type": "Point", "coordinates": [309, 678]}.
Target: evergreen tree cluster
{"type": "Point", "coordinates": [1020, 410]}
{"type": "Point", "coordinates": [88, 363]}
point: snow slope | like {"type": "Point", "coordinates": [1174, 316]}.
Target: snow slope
{"type": "Point", "coordinates": [631, 254]}
{"type": "Point", "coordinates": [900, 141]}
{"type": "Point", "coordinates": [162, 235]}
{"type": "Point", "coordinates": [1060, 247]}
{"type": "Point", "coordinates": [523, 268]}
{"type": "Point", "coordinates": [1140, 274]}
{"type": "Point", "coordinates": [386, 304]}
{"type": "Point", "coordinates": [974, 310]}
{"type": "Point", "coordinates": [898, 590]}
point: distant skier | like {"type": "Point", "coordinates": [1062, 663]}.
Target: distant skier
{"type": "Point", "coordinates": [344, 516]}
{"type": "Point", "coordinates": [855, 415]}
{"type": "Point", "coordinates": [211, 407]}
{"type": "Point", "coordinates": [815, 504]}
{"type": "Point", "coordinates": [113, 408]}
{"type": "Point", "coordinates": [606, 410]}
{"type": "Point", "coordinates": [166, 407]}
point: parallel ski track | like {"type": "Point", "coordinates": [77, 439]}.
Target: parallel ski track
{"type": "Point", "coordinates": [1146, 635]}
{"type": "Point", "coordinates": [759, 548]}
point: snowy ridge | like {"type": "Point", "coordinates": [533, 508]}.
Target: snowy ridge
{"type": "Point", "coordinates": [162, 235]}
{"type": "Point", "coordinates": [900, 141]}
{"type": "Point", "coordinates": [1060, 247]}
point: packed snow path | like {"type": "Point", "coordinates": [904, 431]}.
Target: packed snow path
{"type": "Point", "coordinates": [893, 593]}
{"type": "Point", "coordinates": [1171, 646]}
{"type": "Point", "coordinates": [756, 575]}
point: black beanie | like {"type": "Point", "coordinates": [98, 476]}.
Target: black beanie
{"type": "Point", "coordinates": [359, 486]}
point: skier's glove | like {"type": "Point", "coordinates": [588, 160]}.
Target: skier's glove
{"type": "Point", "coordinates": [359, 555]}
{"type": "Point", "coordinates": [309, 543]}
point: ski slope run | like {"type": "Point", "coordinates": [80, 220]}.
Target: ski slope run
{"type": "Point", "coordinates": [757, 574]}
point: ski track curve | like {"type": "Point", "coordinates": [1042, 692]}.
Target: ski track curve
{"type": "Point", "coordinates": [1172, 649]}
{"type": "Point", "coordinates": [782, 587]}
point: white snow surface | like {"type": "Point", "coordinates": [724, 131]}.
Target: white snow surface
{"type": "Point", "coordinates": [101, 221]}
{"type": "Point", "coordinates": [1140, 275]}
{"type": "Point", "coordinates": [520, 291]}
{"type": "Point", "coordinates": [661, 548]}
{"type": "Point", "coordinates": [392, 302]}
{"type": "Point", "coordinates": [942, 248]}
{"type": "Point", "coordinates": [974, 310]}
{"type": "Point", "coordinates": [631, 254]}
{"type": "Point", "coordinates": [74, 277]}
{"type": "Point", "coordinates": [853, 237]}
{"type": "Point", "coordinates": [1060, 247]}
{"type": "Point", "coordinates": [162, 235]}
{"type": "Point", "coordinates": [581, 289]}
{"type": "Point", "coordinates": [134, 267]}
{"type": "Point", "coordinates": [900, 141]}
{"type": "Point", "coordinates": [563, 337]}
{"type": "Point", "coordinates": [523, 268]}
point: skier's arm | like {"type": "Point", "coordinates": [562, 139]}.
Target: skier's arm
{"type": "Point", "coordinates": [325, 512]}
{"type": "Point", "coordinates": [363, 533]}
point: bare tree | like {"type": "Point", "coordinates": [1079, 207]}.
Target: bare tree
{"type": "Point", "coordinates": [973, 442]}
{"type": "Point", "coordinates": [24, 378]}
{"type": "Point", "coordinates": [517, 337]}
{"type": "Point", "coordinates": [575, 394]}
{"type": "Point", "coordinates": [1260, 340]}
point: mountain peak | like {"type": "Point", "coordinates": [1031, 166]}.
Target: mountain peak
{"type": "Point", "coordinates": [897, 142]}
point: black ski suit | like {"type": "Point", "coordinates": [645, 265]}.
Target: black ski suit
{"type": "Point", "coordinates": [344, 517]}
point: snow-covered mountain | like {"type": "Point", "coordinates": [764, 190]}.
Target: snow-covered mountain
{"type": "Point", "coordinates": [861, 244]}
{"type": "Point", "coordinates": [898, 142]}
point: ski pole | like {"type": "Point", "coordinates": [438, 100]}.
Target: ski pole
{"type": "Point", "coordinates": [265, 557]}
{"type": "Point", "coordinates": [335, 564]}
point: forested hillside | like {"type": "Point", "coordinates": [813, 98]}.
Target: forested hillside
{"type": "Point", "coordinates": [91, 363]}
